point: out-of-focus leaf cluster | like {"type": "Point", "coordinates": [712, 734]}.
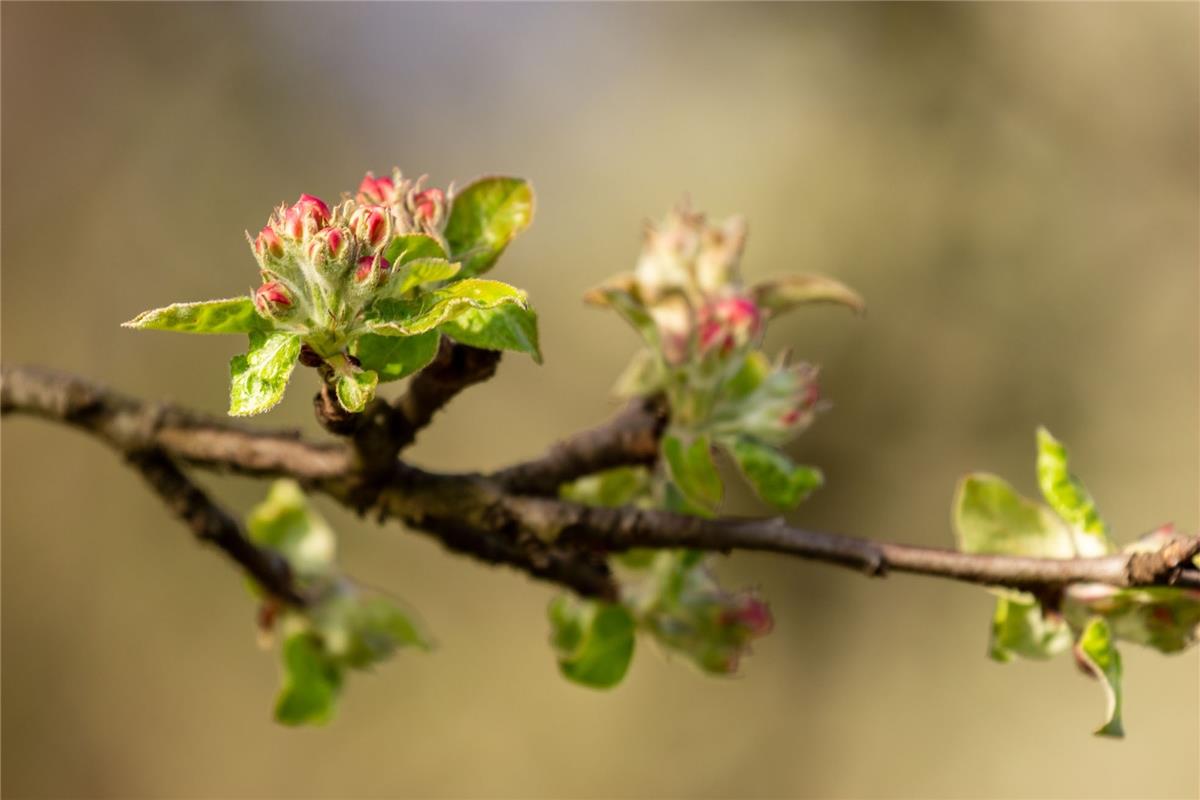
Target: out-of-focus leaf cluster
{"type": "Point", "coordinates": [991, 518]}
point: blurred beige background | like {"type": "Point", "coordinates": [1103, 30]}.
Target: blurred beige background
{"type": "Point", "coordinates": [1013, 188]}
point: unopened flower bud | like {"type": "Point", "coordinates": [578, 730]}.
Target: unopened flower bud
{"type": "Point", "coordinates": [268, 243]}
{"type": "Point", "coordinates": [272, 299]}
{"type": "Point", "coordinates": [307, 215]}
{"type": "Point", "coordinates": [378, 191]}
{"type": "Point", "coordinates": [429, 206]}
{"type": "Point", "coordinates": [728, 323]}
{"type": "Point", "coordinates": [371, 269]}
{"type": "Point", "coordinates": [328, 247]}
{"type": "Point", "coordinates": [372, 225]}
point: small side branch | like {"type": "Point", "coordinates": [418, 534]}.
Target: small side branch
{"type": "Point", "coordinates": [384, 429]}
{"type": "Point", "coordinates": [213, 525]}
{"type": "Point", "coordinates": [631, 437]}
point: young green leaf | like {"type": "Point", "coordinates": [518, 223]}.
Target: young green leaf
{"type": "Point", "coordinates": [286, 523]}
{"type": "Point", "coordinates": [594, 640]}
{"type": "Point", "coordinates": [395, 357]}
{"type": "Point", "coordinates": [235, 315]}
{"type": "Point", "coordinates": [1019, 628]}
{"type": "Point", "coordinates": [784, 294]}
{"type": "Point", "coordinates": [311, 681]}
{"type": "Point", "coordinates": [412, 246]}
{"type": "Point", "coordinates": [259, 378]}
{"type": "Point", "coordinates": [619, 486]}
{"type": "Point", "coordinates": [621, 295]}
{"type": "Point", "coordinates": [429, 310]}
{"type": "Point", "coordinates": [505, 327]}
{"type": "Point", "coordinates": [356, 389]}
{"type": "Point", "coordinates": [419, 272]}
{"type": "Point", "coordinates": [485, 217]}
{"type": "Point", "coordinates": [361, 631]}
{"type": "Point", "coordinates": [990, 518]}
{"type": "Point", "coordinates": [775, 478]}
{"type": "Point", "coordinates": [692, 469]}
{"type": "Point", "coordinates": [1068, 497]}
{"type": "Point", "coordinates": [1097, 652]}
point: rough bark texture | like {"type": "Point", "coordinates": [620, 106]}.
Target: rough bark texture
{"type": "Point", "coordinates": [512, 516]}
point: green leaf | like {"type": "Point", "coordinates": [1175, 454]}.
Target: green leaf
{"type": "Point", "coordinates": [692, 469]}
{"type": "Point", "coordinates": [1097, 653]}
{"type": "Point", "coordinates": [753, 371]}
{"type": "Point", "coordinates": [235, 315]}
{"type": "Point", "coordinates": [395, 357]}
{"type": "Point", "coordinates": [485, 217]}
{"type": "Point", "coordinates": [775, 478]}
{"type": "Point", "coordinates": [505, 327]}
{"type": "Point", "coordinates": [419, 272]}
{"type": "Point", "coordinates": [285, 523]}
{"type": "Point", "coordinates": [259, 378]}
{"type": "Point", "coordinates": [621, 294]}
{"type": "Point", "coordinates": [1019, 628]}
{"type": "Point", "coordinates": [359, 632]}
{"type": "Point", "coordinates": [427, 311]}
{"type": "Point", "coordinates": [784, 294]}
{"type": "Point", "coordinates": [620, 486]}
{"type": "Point", "coordinates": [1068, 497]}
{"type": "Point", "coordinates": [594, 640]}
{"type": "Point", "coordinates": [990, 518]}
{"type": "Point", "coordinates": [311, 681]}
{"type": "Point", "coordinates": [356, 389]}
{"type": "Point", "coordinates": [411, 246]}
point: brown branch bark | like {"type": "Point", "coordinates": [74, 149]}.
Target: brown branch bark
{"type": "Point", "coordinates": [631, 437]}
{"type": "Point", "coordinates": [213, 525]}
{"type": "Point", "coordinates": [499, 519]}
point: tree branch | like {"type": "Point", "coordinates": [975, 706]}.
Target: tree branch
{"type": "Point", "coordinates": [213, 525]}
{"type": "Point", "coordinates": [499, 520]}
{"type": "Point", "coordinates": [629, 438]}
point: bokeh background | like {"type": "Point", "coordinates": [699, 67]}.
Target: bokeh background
{"type": "Point", "coordinates": [1012, 186]}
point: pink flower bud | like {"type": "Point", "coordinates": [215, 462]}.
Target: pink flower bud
{"type": "Point", "coordinates": [328, 245]}
{"type": "Point", "coordinates": [272, 298]}
{"type": "Point", "coordinates": [379, 191]}
{"type": "Point", "coordinates": [268, 243]}
{"type": "Point", "coordinates": [728, 323]}
{"type": "Point", "coordinates": [371, 225]}
{"type": "Point", "coordinates": [427, 206]}
{"type": "Point", "coordinates": [306, 215]}
{"type": "Point", "coordinates": [370, 266]}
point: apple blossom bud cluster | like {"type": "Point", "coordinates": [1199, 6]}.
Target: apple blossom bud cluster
{"type": "Point", "coordinates": [320, 265]}
{"type": "Point", "coordinates": [692, 614]}
{"type": "Point", "coordinates": [412, 208]}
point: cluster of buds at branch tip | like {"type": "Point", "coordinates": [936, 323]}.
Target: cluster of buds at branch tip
{"type": "Point", "coordinates": [412, 208]}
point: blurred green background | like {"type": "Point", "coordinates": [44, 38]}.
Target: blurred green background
{"type": "Point", "coordinates": [1012, 187]}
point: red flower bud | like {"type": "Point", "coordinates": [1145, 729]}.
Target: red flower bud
{"type": "Point", "coordinates": [268, 243]}
{"type": "Point", "coordinates": [328, 244]}
{"type": "Point", "coordinates": [306, 215]}
{"type": "Point", "coordinates": [369, 266]}
{"type": "Point", "coordinates": [427, 205]}
{"type": "Point", "coordinates": [371, 224]}
{"type": "Point", "coordinates": [380, 191]}
{"type": "Point", "coordinates": [728, 323]}
{"type": "Point", "coordinates": [271, 298]}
